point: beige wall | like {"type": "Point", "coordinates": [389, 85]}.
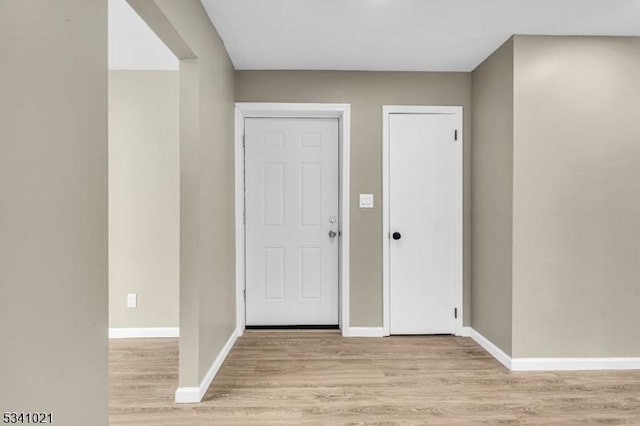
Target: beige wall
{"type": "Point", "coordinates": [144, 198]}
{"type": "Point", "coordinates": [207, 241]}
{"type": "Point", "coordinates": [53, 209]}
{"type": "Point", "coordinates": [367, 92]}
{"type": "Point", "coordinates": [492, 196]}
{"type": "Point", "coordinates": [576, 207]}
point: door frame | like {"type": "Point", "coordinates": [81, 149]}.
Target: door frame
{"type": "Point", "coordinates": [387, 110]}
{"type": "Point", "coordinates": [342, 112]}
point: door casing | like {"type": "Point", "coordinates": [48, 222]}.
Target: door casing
{"type": "Point", "coordinates": [293, 110]}
{"type": "Point", "coordinates": [387, 110]}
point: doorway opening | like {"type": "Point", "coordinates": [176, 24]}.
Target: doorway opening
{"type": "Point", "coordinates": [144, 179]}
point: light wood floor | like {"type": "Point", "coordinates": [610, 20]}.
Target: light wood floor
{"type": "Point", "coordinates": [320, 378]}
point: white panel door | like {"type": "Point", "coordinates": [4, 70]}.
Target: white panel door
{"type": "Point", "coordinates": [423, 190]}
{"type": "Point", "coordinates": [291, 202]}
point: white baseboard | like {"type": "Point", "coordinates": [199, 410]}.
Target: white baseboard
{"type": "Point", "coordinates": [464, 332]}
{"type": "Point", "coordinates": [574, 364]}
{"type": "Point", "coordinates": [488, 346]}
{"type": "Point", "coordinates": [187, 395]}
{"type": "Point", "coordinates": [131, 333]}
{"type": "Point", "coordinates": [555, 364]}
{"type": "Point", "coordinates": [379, 332]}
{"type": "Point", "coordinates": [362, 332]}
{"type": "Point", "coordinates": [190, 395]}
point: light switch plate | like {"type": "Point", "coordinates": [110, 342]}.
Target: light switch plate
{"type": "Point", "coordinates": [132, 300]}
{"type": "Point", "coordinates": [366, 201]}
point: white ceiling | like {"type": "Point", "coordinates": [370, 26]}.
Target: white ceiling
{"type": "Point", "coordinates": [132, 44]}
{"type": "Point", "coordinates": [400, 35]}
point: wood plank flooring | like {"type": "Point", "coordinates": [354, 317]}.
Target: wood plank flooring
{"type": "Point", "coordinates": [320, 378]}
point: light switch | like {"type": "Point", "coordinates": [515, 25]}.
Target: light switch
{"type": "Point", "coordinates": [132, 300]}
{"type": "Point", "coordinates": [366, 201]}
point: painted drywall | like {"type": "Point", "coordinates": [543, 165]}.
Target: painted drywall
{"type": "Point", "coordinates": [207, 219]}
{"type": "Point", "coordinates": [367, 92]}
{"type": "Point", "coordinates": [492, 197]}
{"type": "Point", "coordinates": [53, 209]}
{"type": "Point", "coordinates": [133, 45]}
{"type": "Point", "coordinates": [576, 205]}
{"type": "Point", "coordinates": [144, 198]}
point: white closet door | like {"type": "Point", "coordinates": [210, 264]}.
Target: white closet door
{"type": "Point", "coordinates": [423, 186]}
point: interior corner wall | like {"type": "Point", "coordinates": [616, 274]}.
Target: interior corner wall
{"type": "Point", "coordinates": [144, 198]}
{"type": "Point", "coordinates": [367, 92]}
{"type": "Point", "coordinates": [576, 205]}
{"type": "Point", "coordinates": [53, 209]}
{"type": "Point", "coordinates": [207, 196]}
{"type": "Point", "coordinates": [492, 197]}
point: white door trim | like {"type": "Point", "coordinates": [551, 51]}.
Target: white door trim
{"type": "Point", "coordinates": [387, 110]}
{"type": "Point", "coordinates": [306, 110]}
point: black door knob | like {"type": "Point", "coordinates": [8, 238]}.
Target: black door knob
{"type": "Point", "coordinates": [396, 236]}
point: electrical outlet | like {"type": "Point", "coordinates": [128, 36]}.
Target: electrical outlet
{"type": "Point", "coordinates": [132, 300]}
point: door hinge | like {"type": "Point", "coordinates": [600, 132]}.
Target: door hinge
{"type": "Point", "coordinates": [245, 294]}
{"type": "Point", "coordinates": [244, 218]}
{"type": "Point", "coordinates": [455, 134]}
{"type": "Point", "coordinates": [244, 141]}
{"type": "Point", "coordinates": [455, 313]}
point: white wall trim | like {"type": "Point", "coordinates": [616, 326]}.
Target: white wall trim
{"type": "Point", "coordinates": [555, 364]}
{"type": "Point", "coordinates": [142, 332]}
{"type": "Point", "coordinates": [188, 395]}
{"type": "Point", "coordinates": [192, 395]}
{"type": "Point", "coordinates": [574, 364]}
{"type": "Point", "coordinates": [464, 332]}
{"type": "Point", "coordinates": [490, 347]}
{"type": "Point", "coordinates": [387, 110]}
{"type": "Point", "coordinates": [343, 113]}
{"type": "Point", "coordinates": [362, 332]}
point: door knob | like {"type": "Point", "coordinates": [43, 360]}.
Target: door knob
{"type": "Point", "coordinates": [396, 235]}
{"type": "Point", "coordinates": [332, 234]}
